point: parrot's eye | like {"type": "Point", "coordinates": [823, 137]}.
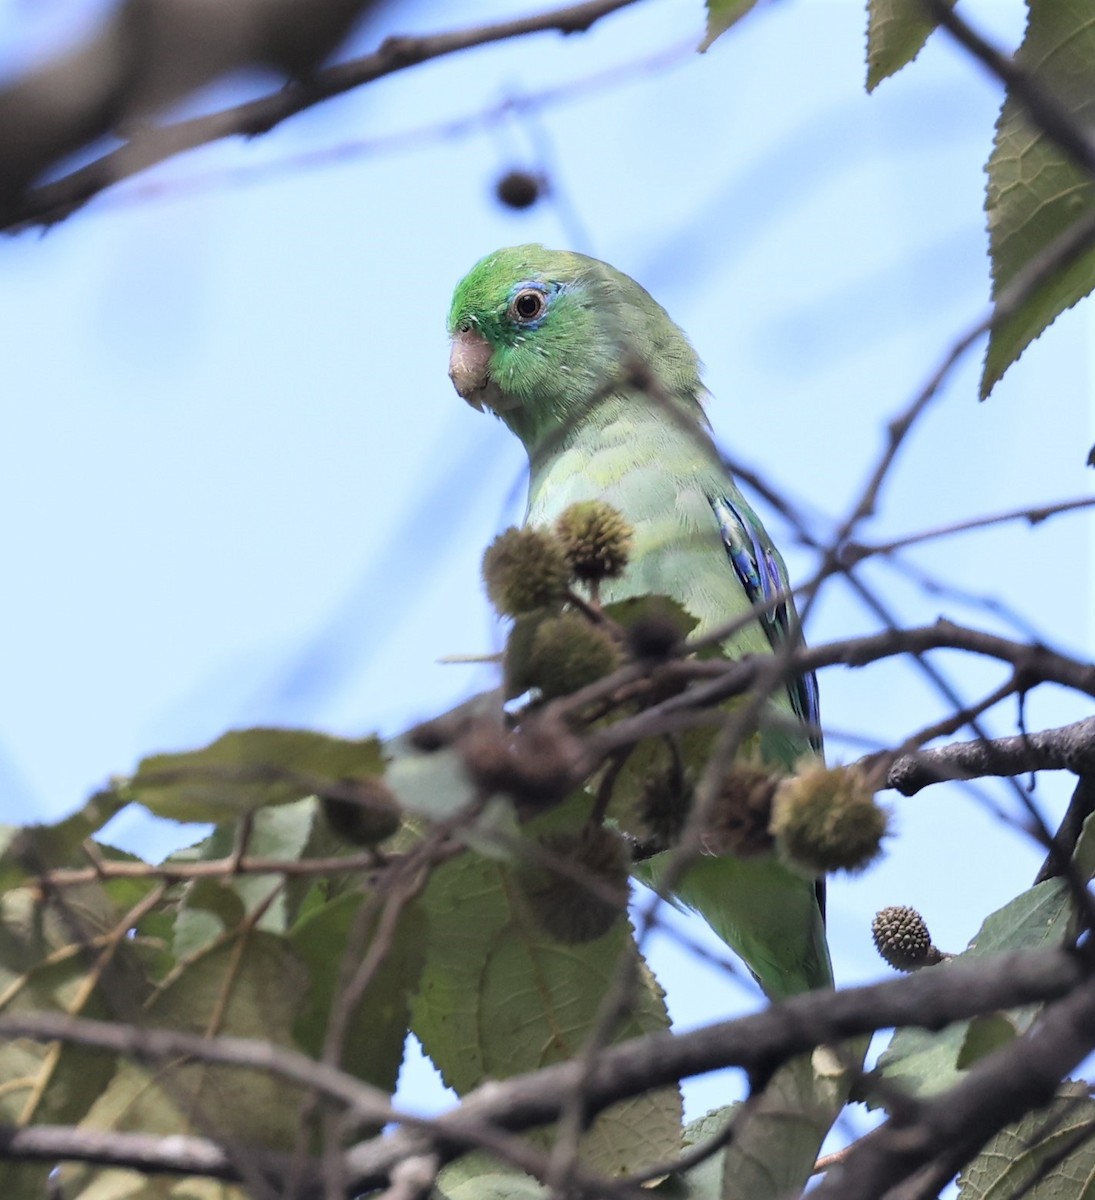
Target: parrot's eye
{"type": "Point", "coordinates": [528, 304]}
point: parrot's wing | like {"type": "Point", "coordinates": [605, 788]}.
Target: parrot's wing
{"type": "Point", "coordinates": [763, 575]}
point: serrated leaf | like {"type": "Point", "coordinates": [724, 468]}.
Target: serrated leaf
{"type": "Point", "coordinates": [773, 1153]}
{"type": "Point", "coordinates": [703, 1181]}
{"type": "Point", "coordinates": [251, 986]}
{"type": "Point", "coordinates": [721, 14]}
{"type": "Point", "coordinates": [1035, 193]}
{"type": "Point", "coordinates": [896, 33]}
{"type": "Point", "coordinates": [377, 1029]}
{"type": "Point", "coordinates": [249, 769]}
{"type": "Point", "coordinates": [1007, 1163]}
{"type": "Point", "coordinates": [498, 997]}
{"type": "Point", "coordinates": [926, 1063]}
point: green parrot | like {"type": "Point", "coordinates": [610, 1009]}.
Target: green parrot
{"type": "Point", "coordinates": [604, 391]}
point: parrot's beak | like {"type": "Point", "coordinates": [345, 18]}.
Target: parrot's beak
{"type": "Point", "coordinates": [469, 363]}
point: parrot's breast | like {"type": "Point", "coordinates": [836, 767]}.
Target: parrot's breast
{"type": "Point", "coordinates": [662, 478]}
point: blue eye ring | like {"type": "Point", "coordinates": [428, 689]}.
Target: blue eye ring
{"type": "Point", "coordinates": [529, 302]}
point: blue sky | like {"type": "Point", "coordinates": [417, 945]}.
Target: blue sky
{"type": "Point", "coordinates": [239, 487]}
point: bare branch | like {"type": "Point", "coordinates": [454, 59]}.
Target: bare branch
{"type": "Point", "coordinates": [758, 1043]}
{"type": "Point", "coordinates": [946, 1132]}
{"type": "Point", "coordinates": [1068, 748]}
{"type": "Point", "coordinates": [100, 86]}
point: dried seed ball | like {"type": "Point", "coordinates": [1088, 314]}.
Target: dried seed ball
{"type": "Point", "coordinates": [364, 812]}
{"type": "Point", "coordinates": [566, 908]}
{"type": "Point", "coordinates": [569, 652]}
{"type": "Point", "coordinates": [524, 569]}
{"type": "Point", "coordinates": [740, 822]}
{"type": "Point", "coordinates": [596, 539]}
{"type": "Point", "coordinates": [518, 189]}
{"type": "Point", "coordinates": [828, 820]}
{"type": "Point", "coordinates": [901, 937]}
{"type": "Point", "coordinates": [534, 765]}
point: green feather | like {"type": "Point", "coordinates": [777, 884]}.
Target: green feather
{"type": "Point", "coordinates": [604, 391]}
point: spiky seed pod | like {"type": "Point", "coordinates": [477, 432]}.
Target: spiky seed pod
{"type": "Point", "coordinates": [901, 937]}
{"type": "Point", "coordinates": [364, 812]}
{"type": "Point", "coordinates": [518, 653]}
{"type": "Point", "coordinates": [584, 901]}
{"type": "Point", "coordinates": [828, 820]}
{"type": "Point", "coordinates": [596, 539]}
{"type": "Point", "coordinates": [535, 764]}
{"type": "Point", "coordinates": [664, 804]}
{"type": "Point", "coordinates": [739, 824]}
{"type": "Point", "coordinates": [568, 652]}
{"type": "Point", "coordinates": [525, 569]}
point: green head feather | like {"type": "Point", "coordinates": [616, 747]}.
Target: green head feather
{"type": "Point", "coordinates": [562, 333]}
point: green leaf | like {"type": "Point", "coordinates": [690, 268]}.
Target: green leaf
{"type": "Point", "coordinates": [433, 783]}
{"type": "Point", "coordinates": [896, 33]}
{"type": "Point", "coordinates": [498, 997]}
{"type": "Point", "coordinates": [703, 1181]}
{"type": "Point", "coordinates": [479, 1176]}
{"type": "Point", "coordinates": [33, 849]}
{"type": "Point", "coordinates": [927, 1063]}
{"type": "Point", "coordinates": [42, 969]}
{"type": "Point", "coordinates": [1008, 1162]}
{"type": "Point", "coordinates": [337, 933]}
{"type": "Point", "coordinates": [983, 1036]}
{"type": "Point", "coordinates": [496, 1187]}
{"type": "Point", "coordinates": [1035, 193]}
{"type": "Point", "coordinates": [721, 14]}
{"type": "Point", "coordinates": [120, 1184]}
{"type": "Point", "coordinates": [250, 986]}
{"type": "Point", "coordinates": [249, 769]}
{"type": "Point", "coordinates": [212, 906]}
{"type": "Point", "coordinates": [653, 606]}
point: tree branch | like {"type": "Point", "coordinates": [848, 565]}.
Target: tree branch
{"type": "Point", "coordinates": [37, 137]}
{"type": "Point", "coordinates": [947, 1132]}
{"type": "Point", "coordinates": [1067, 748]}
{"type": "Point", "coordinates": [758, 1043]}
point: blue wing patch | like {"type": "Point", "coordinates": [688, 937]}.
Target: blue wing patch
{"type": "Point", "coordinates": [763, 577]}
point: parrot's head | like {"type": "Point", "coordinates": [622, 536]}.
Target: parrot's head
{"type": "Point", "coordinates": [539, 336]}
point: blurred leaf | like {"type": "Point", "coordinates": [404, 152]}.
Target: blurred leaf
{"type": "Point", "coordinates": [499, 997]}
{"type": "Point", "coordinates": [495, 1187]}
{"type": "Point", "coordinates": [249, 769]}
{"type": "Point", "coordinates": [32, 849]}
{"type": "Point", "coordinates": [721, 14]}
{"type": "Point", "coordinates": [479, 1175]}
{"type": "Point", "coordinates": [132, 1185]}
{"type": "Point", "coordinates": [926, 1063]}
{"type": "Point", "coordinates": [252, 986]}
{"type": "Point", "coordinates": [896, 33]}
{"type": "Point", "coordinates": [703, 1181]}
{"type": "Point", "coordinates": [433, 783]}
{"type": "Point", "coordinates": [983, 1036]}
{"type": "Point", "coordinates": [211, 906]}
{"type": "Point", "coordinates": [1006, 1165]}
{"type": "Point", "coordinates": [377, 1029]}
{"type": "Point", "coordinates": [1035, 193]}
{"type": "Point", "coordinates": [43, 969]}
